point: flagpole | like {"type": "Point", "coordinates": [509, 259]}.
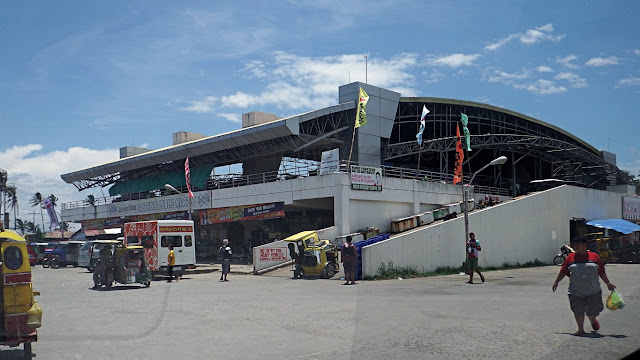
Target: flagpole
{"type": "Point", "coordinates": [419, 147]}
{"type": "Point", "coordinates": [365, 70]}
{"type": "Point", "coordinates": [353, 136]}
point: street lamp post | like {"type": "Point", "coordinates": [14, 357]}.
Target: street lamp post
{"type": "Point", "coordinates": [171, 188]}
{"type": "Point", "coordinates": [465, 196]}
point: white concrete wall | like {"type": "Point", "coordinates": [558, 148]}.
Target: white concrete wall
{"type": "Point", "coordinates": [270, 255]}
{"type": "Point", "coordinates": [517, 231]}
{"type": "Point", "coordinates": [353, 209]}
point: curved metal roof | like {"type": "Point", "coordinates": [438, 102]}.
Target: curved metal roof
{"type": "Point", "coordinates": [503, 110]}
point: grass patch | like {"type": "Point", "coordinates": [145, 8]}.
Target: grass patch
{"type": "Point", "coordinates": [391, 271]}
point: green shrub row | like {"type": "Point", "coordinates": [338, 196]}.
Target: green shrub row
{"type": "Point", "coordinates": [390, 271]}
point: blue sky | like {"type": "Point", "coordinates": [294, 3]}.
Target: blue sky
{"type": "Point", "coordinates": [80, 79]}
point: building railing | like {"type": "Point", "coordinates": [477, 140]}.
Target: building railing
{"type": "Point", "coordinates": [289, 169]}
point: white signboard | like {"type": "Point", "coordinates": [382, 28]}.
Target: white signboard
{"type": "Point", "coordinates": [330, 161]}
{"type": "Point", "coordinates": [270, 255]}
{"type": "Point", "coordinates": [630, 208]}
{"type": "Point", "coordinates": [366, 178]}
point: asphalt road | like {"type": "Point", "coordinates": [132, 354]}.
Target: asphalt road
{"type": "Point", "coordinates": [514, 315]}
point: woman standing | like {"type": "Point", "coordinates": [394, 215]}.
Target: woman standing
{"type": "Point", "coordinates": [583, 268]}
{"type": "Point", "coordinates": [349, 261]}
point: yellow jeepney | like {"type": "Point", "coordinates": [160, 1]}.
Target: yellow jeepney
{"type": "Point", "coordinates": [20, 313]}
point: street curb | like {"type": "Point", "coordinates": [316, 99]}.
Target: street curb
{"type": "Point", "coordinates": [210, 269]}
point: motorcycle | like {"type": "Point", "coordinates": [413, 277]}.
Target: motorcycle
{"type": "Point", "coordinates": [564, 251]}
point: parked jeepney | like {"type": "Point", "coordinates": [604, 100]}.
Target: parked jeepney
{"type": "Point", "coordinates": [20, 313]}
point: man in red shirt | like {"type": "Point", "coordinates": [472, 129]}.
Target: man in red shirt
{"type": "Point", "coordinates": [583, 268]}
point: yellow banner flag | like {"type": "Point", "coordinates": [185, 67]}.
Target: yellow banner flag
{"type": "Point", "coordinates": [361, 115]}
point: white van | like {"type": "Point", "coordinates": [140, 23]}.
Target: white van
{"type": "Point", "coordinates": [156, 236]}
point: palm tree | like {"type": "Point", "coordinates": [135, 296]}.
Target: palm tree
{"type": "Point", "coordinates": [3, 185]}
{"type": "Point", "coordinates": [30, 227]}
{"type": "Point", "coordinates": [38, 200]}
{"type": "Point", "coordinates": [12, 201]}
{"type": "Point", "coordinates": [91, 200]}
{"type": "Point", "coordinates": [21, 226]}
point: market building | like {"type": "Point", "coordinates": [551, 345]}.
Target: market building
{"type": "Point", "coordinates": [369, 176]}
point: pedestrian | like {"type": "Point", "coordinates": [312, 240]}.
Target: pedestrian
{"type": "Point", "coordinates": [171, 262]}
{"type": "Point", "coordinates": [473, 253]}
{"type": "Point", "coordinates": [226, 253]}
{"type": "Point", "coordinates": [349, 261]}
{"type": "Point", "coordinates": [583, 268]}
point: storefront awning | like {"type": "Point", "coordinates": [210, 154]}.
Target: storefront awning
{"type": "Point", "coordinates": [619, 225]}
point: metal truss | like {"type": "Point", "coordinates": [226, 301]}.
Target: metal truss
{"type": "Point", "coordinates": [568, 160]}
{"type": "Point", "coordinates": [315, 135]}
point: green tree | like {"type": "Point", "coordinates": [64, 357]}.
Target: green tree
{"type": "Point", "coordinates": [31, 227]}
{"type": "Point", "coordinates": [91, 200]}
{"type": "Point", "coordinates": [3, 186]}
{"type": "Point", "coordinates": [12, 201]}
{"type": "Point", "coordinates": [21, 226]}
{"type": "Point", "coordinates": [38, 200]}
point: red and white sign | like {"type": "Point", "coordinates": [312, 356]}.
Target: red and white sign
{"type": "Point", "coordinates": [273, 254]}
{"type": "Point", "coordinates": [631, 208]}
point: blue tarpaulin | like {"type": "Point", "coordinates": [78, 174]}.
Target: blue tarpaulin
{"type": "Point", "coordinates": [619, 225]}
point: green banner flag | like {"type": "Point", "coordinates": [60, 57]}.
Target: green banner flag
{"type": "Point", "coordinates": [467, 135]}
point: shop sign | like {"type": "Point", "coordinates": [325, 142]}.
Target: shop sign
{"type": "Point", "coordinates": [329, 162]}
{"type": "Point", "coordinates": [630, 208]}
{"type": "Point", "coordinates": [242, 213]}
{"type": "Point", "coordinates": [108, 223]}
{"type": "Point", "coordinates": [366, 178]}
{"type": "Point", "coordinates": [162, 204]}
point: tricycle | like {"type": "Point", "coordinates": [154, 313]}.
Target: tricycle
{"type": "Point", "coordinates": [125, 266]}
{"type": "Point", "coordinates": [314, 257]}
{"type": "Point", "coordinates": [20, 314]}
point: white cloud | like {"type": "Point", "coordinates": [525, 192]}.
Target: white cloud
{"type": "Point", "coordinates": [500, 43]}
{"type": "Point", "coordinates": [455, 60]}
{"type": "Point", "coordinates": [31, 170]}
{"type": "Point", "coordinates": [567, 61]}
{"type": "Point", "coordinates": [432, 77]}
{"type": "Point", "coordinates": [204, 105]}
{"type": "Point", "coordinates": [628, 81]}
{"type": "Point", "coordinates": [521, 80]}
{"type": "Point", "coordinates": [543, 69]}
{"type": "Point", "coordinates": [574, 79]}
{"type": "Point", "coordinates": [542, 87]}
{"type": "Point", "coordinates": [598, 61]}
{"type": "Point", "coordinates": [300, 83]}
{"type": "Point", "coordinates": [636, 51]}
{"type": "Point", "coordinates": [235, 118]}
{"type": "Point", "coordinates": [531, 36]}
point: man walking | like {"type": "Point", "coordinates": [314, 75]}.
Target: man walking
{"type": "Point", "coordinates": [226, 253]}
{"type": "Point", "coordinates": [473, 252]}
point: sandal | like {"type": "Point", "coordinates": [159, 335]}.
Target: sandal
{"type": "Point", "coordinates": [482, 278]}
{"type": "Point", "coordinates": [595, 325]}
